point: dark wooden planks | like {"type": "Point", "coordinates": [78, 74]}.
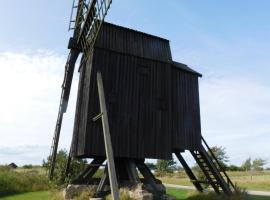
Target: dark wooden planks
{"type": "Point", "coordinates": [134, 87]}
{"type": "Point", "coordinates": [152, 102]}
{"type": "Point", "coordinates": [133, 42]}
{"type": "Point", "coordinates": [186, 127]}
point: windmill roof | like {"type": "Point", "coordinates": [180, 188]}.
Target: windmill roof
{"type": "Point", "coordinates": [185, 68]}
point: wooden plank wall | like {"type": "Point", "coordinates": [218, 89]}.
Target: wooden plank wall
{"type": "Point", "coordinates": [138, 96]}
{"type": "Point", "coordinates": [127, 41]}
{"type": "Point", "coordinates": [152, 106]}
{"type": "Point", "coordinates": [186, 125]}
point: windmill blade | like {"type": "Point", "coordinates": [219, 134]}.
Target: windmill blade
{"type": "Point", "coordinates": [94, 18]}
{"type": "Point", "coordinates": [66, 86]}
{"type": "Point", "coordinates": [88, 21]}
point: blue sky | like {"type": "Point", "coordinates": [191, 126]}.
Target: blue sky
{"type": "Point", "coordinates": [227, 41]}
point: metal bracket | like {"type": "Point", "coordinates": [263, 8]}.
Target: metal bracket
{"type": "Point", "coordinates": [97, 117]}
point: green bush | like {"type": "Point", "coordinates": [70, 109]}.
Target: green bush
{"type": "Point", "coordinates": [28, 166]}
{"type": "Point", "coordinates": [76, 166]}
{"type": "Point", "coordinates": [12, 182]}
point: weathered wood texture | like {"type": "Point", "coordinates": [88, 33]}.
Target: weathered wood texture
{"type": "Point", "coordinates": [128, 41]}
{"type": "Point", "coordinates": [139, 79]}
{"type": "Point", "coordinates": [186, 127]}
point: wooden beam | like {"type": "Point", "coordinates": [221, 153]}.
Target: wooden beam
{"type": "Point", "coordinates": [189, 172]}
{"type": "Point", "coordinates": [107, 139]}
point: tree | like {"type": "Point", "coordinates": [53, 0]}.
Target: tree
{"type": "Point", "coordinates": [165, 166]}
{"type": "Point", "coordinates": [151, 166]}
{"type": "Point", "coordinates": [234, 168]}
{"type": "Point", "coordinates": [221, 155]}
{"type": "Point", "coordinates": [258, 164]}
{"type": "Point", "coordinates": [76, 166]}
{"type": "Point", "coordinates": [247, 165]}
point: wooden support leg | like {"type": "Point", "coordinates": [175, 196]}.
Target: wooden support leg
{"type": "Point", "coordinates": [89, 171]}
{"type": "Point", "coordinates": [190, 174]}
{"type": "Point", "coordinates": [149, 177]}
{"type": "Point", "coordinates": [132, 172]}
{"type": "Point", "coordinates": [107, 139]}
{"type": "Point", "coordinates": [103, 182]}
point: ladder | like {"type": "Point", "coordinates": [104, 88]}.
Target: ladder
{"type": "Point", "coordinates": [212, 169]}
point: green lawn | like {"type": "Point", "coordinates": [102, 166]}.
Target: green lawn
{"type": "Point", "coordinates": [184, 194]}
{"type": "Point", "coordinates": [45, 195]}
{"type": "Point", "coordinates": [179, 194]}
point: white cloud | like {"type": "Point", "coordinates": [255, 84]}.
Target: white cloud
{"type": "Point", "coordinates": [235, 114]}
{"type": "Point", "coordinates": [30, 85]}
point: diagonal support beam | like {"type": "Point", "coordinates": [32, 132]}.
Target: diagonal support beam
{"type": "Point", "coordinates": [107, 139]}
{"type": "Point", "coordinates": [189, 172]}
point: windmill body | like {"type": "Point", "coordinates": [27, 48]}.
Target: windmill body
{"type": "Point", "coordinates": [152, 102]}
{"type": "Point", "coordinates": [148, 106]}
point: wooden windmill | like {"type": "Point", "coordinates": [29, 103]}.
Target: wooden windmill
{"type": "Point", "coordinates": [134, 102]}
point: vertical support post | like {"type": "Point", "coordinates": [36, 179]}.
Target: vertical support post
{"type": "Point", "coordinates": [107, 139]}
{"type": "Point", "coordinates": [68, 164]}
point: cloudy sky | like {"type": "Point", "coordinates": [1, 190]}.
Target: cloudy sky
{"type": "Point", "coordinates": [228, 42]}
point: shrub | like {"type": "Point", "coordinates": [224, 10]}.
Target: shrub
{"type": "Point", "coordinates": [28, 166]}
{"type": "Point", "coordinates": [60, 178]}
{"type": "Point", "coordinates": [85, 195]}
{"type": "Point", "coordinates": [239, 194]}
{"type": "Point", "coordinates": [12, 182]}
{"type": "Point", "coordinates": [124, 195]}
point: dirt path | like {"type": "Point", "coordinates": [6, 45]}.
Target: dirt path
{"type": "Point", "coordinates": [252, 192]}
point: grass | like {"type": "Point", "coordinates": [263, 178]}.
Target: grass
{"type": "Point", "coordinates": [251, 181]}
{"type": "Point", "coordinates": [179, 194]}
{"type": "Point", "coordinates": [27, 180]}
{"type": "Point", "coordinates": [41, 195]}
{"type": "Point", "coordinates": [258, 198]}
{"type": "Point", "coordinates": [192, 195]}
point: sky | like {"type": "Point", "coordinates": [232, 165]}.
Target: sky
{"type": "Point", "coordinates": [227, 41]}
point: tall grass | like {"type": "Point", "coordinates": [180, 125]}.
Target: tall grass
{"type": "Point", "coordinates": [12, 182]}
{"type": "Point", "coordinates": [214, 196]}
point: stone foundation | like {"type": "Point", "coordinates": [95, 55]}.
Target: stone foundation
{"type": "Point", "coordinates": [74, 190]}
{"type": "Point", "coordinates": [137, 192]}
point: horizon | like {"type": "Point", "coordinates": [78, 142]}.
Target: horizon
{"type": "Point", "coordinates": [230, 49]}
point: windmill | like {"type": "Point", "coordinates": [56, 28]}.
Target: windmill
{"type": "Point", "coordinates": [88, 20]}
{"type": "Point", "coordinates": [134, 102]}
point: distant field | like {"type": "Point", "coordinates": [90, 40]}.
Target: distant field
{"type": "Point", "coordinates": [251, 181]}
